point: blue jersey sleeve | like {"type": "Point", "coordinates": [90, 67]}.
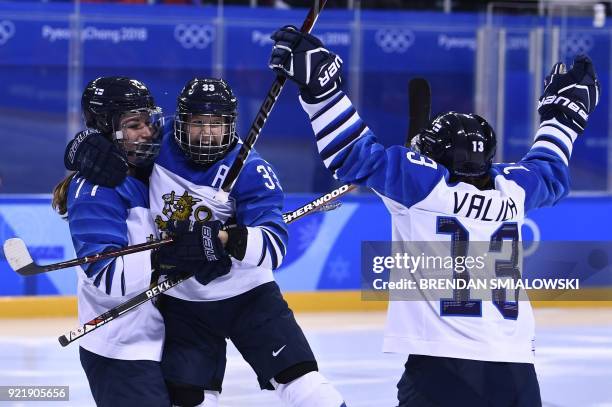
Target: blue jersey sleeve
{"type": "Point", "coordinates": [543, 173]}
{"type": "Point", "coordinates": [97, 218]}
{"type": "Point", "coordinates": [351, 152]}
{"type": "Point", "coordinates": [259, 204]}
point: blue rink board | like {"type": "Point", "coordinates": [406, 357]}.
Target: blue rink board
{"type": "Point", "coordinates": [324, 248]}
{"type": "Point", "coordinates": [382, 52]}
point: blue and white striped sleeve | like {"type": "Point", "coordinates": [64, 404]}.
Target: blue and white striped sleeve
{"type": "Point", "coordinates": [97, 219]}
{"type": "Point", "coordinates": [352, 153]}
{"type": "Point", "coordinates": [556, 138]}
{"type": "Point", "coordinates": [543, 173]}
{"type": "Point", "coordinates": [259, 207]}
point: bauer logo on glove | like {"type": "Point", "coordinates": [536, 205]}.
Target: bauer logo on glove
{"type": "Point", "coordinates": [570, 96]}
{"type": "Point", "coordinates": [302, 58]}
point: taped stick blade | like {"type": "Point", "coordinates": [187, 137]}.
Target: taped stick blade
{"type": "Point", "coordinates": [17, 255]}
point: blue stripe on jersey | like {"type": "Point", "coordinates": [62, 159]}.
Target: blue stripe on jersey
{"type": "Point", "coordinates": [556, 142]}
{"type": "Point", "coordinates": [336, 123]}
{"type": "Point", "coordinates": [270, 249]}
{"type": "Point", "coordinates": [271, 227]}
{"type": "Point", "coordinates": [122, 282]}
{"type": "Point", "coordinates": [110, 272]}
{"type": "Point", "coordinates": [98, 278]}
{"type": "Point", "coordinates": [561, 129]}
{"type": "Point", "coordinates": [349, 135]}
{"type": "Point", "coordinates": [263, 249]}
{"type": "Point", "coordinates": [331, 104]}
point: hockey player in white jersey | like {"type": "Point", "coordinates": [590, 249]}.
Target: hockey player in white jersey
{"type": "Point", "coordinates": [463, 351]}
{"type": "Point", "coordinates": [121, 360]}
{"type": "Point", "coordinates": [233, 294]}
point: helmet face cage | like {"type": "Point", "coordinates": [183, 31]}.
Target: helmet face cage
{"type": "Point", "coordinates": [464, 143]}
{"type": "Point", "coordinates": [127, 128]}
{"type": "Point", "coordinates": [205, 120]}
{"type": "Point", "coordinates": [205, 137]}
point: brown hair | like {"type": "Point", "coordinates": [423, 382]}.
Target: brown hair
{"type": "Point", "coordinates": [60, 194]}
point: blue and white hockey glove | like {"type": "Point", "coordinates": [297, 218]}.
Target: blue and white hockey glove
{"type": "Point", "coordinates": [196, 249]}
{"type": "Point", "coordinates": [570, 96]}
{"type": "Point", "coordinates": [303, 59]}
{"type": "Point", "coordinates": [96, 158]}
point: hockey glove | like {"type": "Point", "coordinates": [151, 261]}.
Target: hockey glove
{"type": "Point", "coordinates": [96, 158]}
{"type": "Point", "coordinates": [196, 249]}
{"type": "Point", "coordinates": [570, 96]}
{"type": "Point", "coordinates": [303, 59]}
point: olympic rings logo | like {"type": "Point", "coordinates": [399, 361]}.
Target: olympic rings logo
{"type": "Point", "coordinates": [392, 40]}
{"type": "Point", "coordinates": [575, 44]}
{"type": "Point", "coordinates": [7, 30]}
{"type": "Point", "coordinates": [194, 36]}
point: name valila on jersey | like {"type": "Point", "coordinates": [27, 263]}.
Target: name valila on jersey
{"type": "Point", "coordinates": [425, 206]}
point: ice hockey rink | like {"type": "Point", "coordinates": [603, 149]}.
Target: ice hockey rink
{"type": "Point", "coordinates": [573, 359]}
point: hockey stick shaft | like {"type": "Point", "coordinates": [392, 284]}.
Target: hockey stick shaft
{"type": "Point", "coordinates": [265, 109]}
{"type": "Point", "coordinates": [164, 286]}
{"type": "Point", "coordinates": [419, 98]}
{"type": "Point", "coordinates": [316, 204]}
{"type": "Point", "coordinates": [21, 261]}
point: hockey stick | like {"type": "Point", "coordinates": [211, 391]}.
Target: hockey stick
{"type": "Point", "coordinates": [318, 203]}
{"type": "Point", "coordinates": [262, 115]}
{"type": "Point", "coordinates": [164, 286]}
{"type": "Point", "coordinates": [20, 259]}
{"type": "Point", "coordinates": [419, 98]}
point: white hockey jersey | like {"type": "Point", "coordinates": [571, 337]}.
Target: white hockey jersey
{"type": "Point", "coordinates": [426, 207]}
{"type": "Point", "coordinates": [181, 190]}
{"type": "Point", "coordinates": [101, 219]}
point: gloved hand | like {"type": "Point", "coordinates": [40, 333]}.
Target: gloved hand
{"type": "Point", "coordinates": [570, 96]}
{"type": "Point", "coordinates": [196, 248]}
{"type": "Point", "coordinates": [96, 158]}
{"type": "Point", "coordinates": [303, 59]}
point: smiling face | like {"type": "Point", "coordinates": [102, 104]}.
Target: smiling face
{"type": "Point", "coordinates": [207, 130]}
{"type": "Point", "coordinates": [138, 135]}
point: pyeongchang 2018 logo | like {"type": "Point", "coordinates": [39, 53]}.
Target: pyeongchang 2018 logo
{"type": "Point", "coordinates": [194, 35]}
{"type": "Point", "coordinates": [392, 40]}
{"type": "Point", "coordinates": [7, 30]}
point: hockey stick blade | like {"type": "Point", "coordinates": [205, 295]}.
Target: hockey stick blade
{"type": "Point", "coordinates": [419, 97]}
{"type": "Point", "coordinates": [263, 113]}
{"type": "Point", "coordinates": [20, 259]}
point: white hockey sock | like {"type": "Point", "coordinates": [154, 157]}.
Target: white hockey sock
{"type": "Point", "coordinates": [211, 399]}
{"type": "Point", "coordinates": [310, 390]}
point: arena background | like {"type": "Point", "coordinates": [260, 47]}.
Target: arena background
{"type": "Point", "coordinates": [491, 62]}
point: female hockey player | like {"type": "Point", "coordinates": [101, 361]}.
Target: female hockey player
{"type": "Point", "coordinates": [122, 359]}
{"type": "Point", "coordinates": [462, 351]}
{"type": "Point", "coordinates": [233, 294]}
